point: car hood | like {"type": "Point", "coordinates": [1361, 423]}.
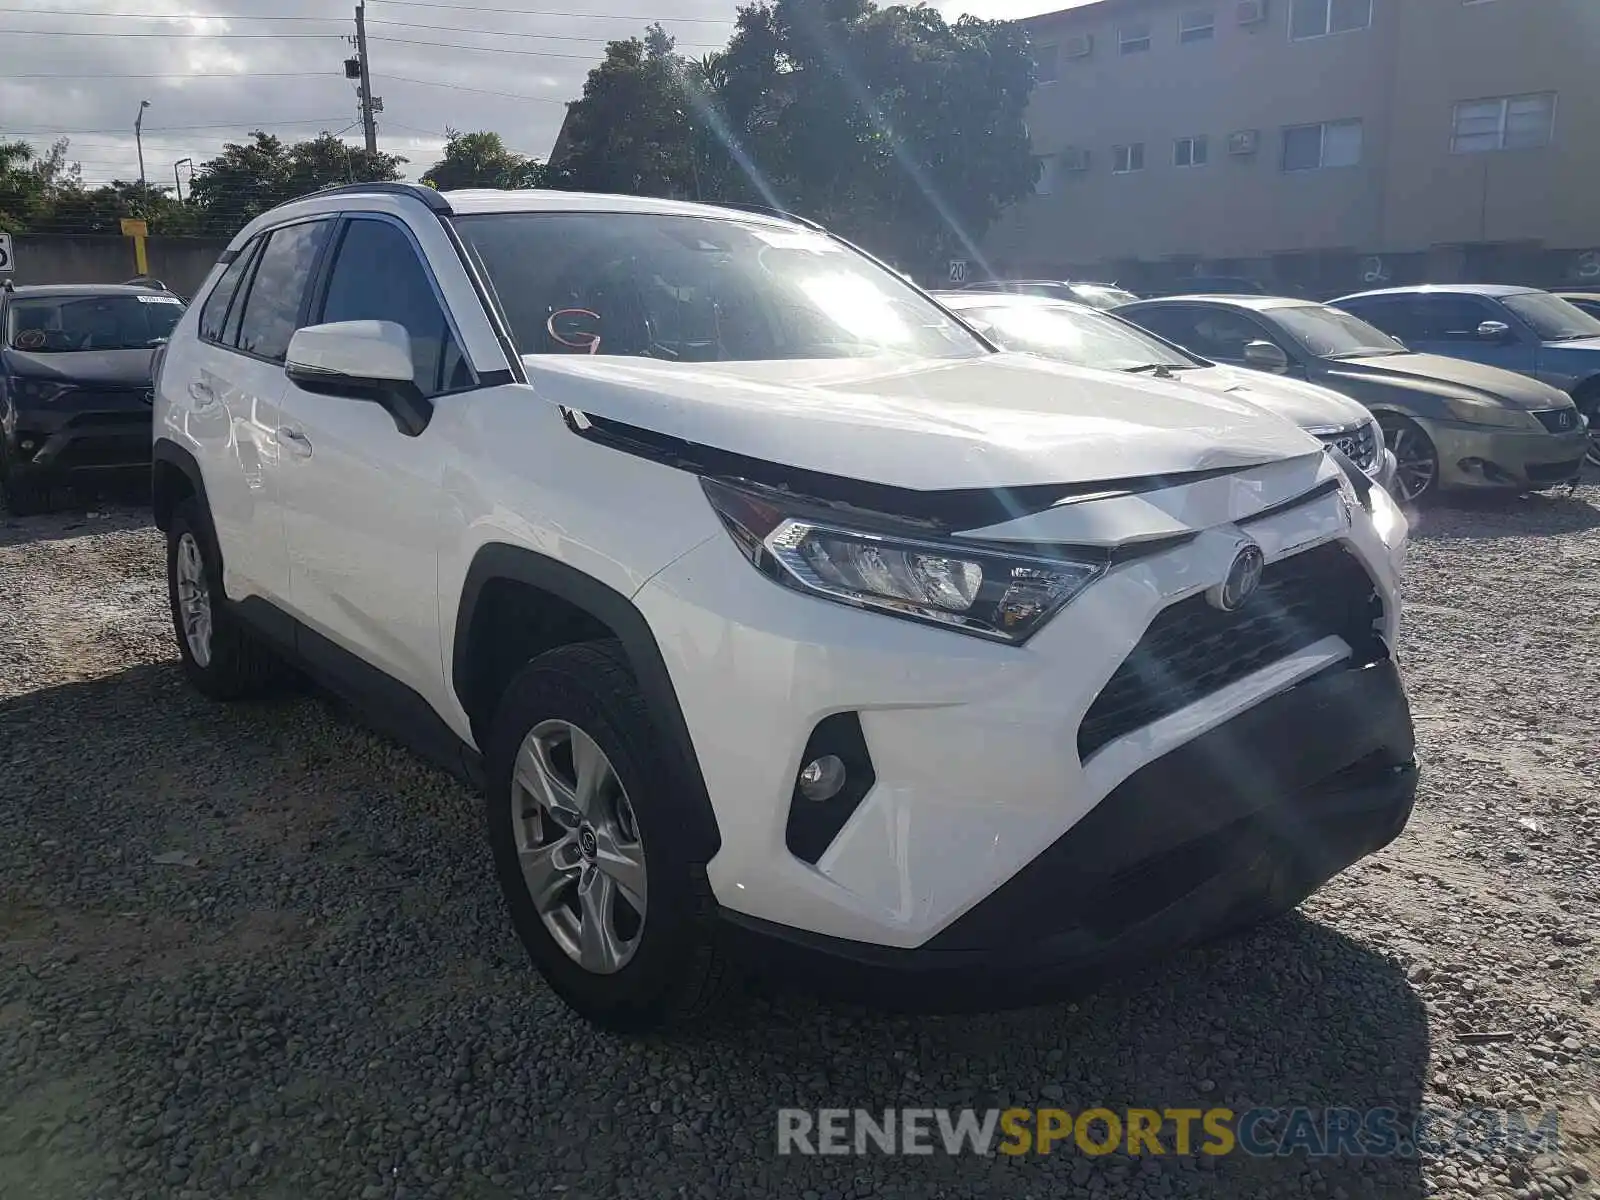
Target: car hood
{"type": "Point", "coordinates": [1002, 420]}
{"type": "Point", "coordinates": [1306, 404]}
{"type": "Point", "coordinates": [1589, 345]}
{"type": "Point", "coordinates": [95, 368]}
{"type": "Point", "coordinates": [1453, 376]}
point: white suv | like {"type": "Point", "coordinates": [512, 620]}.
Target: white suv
{"type": "Point", "coordinates": [776, 612]}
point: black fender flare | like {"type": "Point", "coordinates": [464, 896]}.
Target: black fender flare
{"type": "Point", "coordinates": [168, 452]}
{"type": "Point", "coordinates": [498, 560]}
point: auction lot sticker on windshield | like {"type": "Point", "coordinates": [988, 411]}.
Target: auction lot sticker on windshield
{"type": "Point", "coordinates": [159, 300]}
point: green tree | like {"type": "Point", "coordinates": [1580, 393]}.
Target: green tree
{"type": "Point", "coordinates": [101, 210]}
{"type": "Point", "coordinates": [890, 125]}
{"type": "Point", "coordinates": [248, 178]}
{"type": "Point", "coordinates": [481, 160]}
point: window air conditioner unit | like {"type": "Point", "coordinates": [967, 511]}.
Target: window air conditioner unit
{"type": "Point", "coordinates": [1243, 142]}
{"type": "Point", "coordinates": [1075, 160]}
{"type": "Point", "coordinates": [1078, 46]}
{"type": "Point", "coordinates": [1252, 12]}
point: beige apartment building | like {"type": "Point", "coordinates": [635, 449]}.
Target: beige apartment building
{"type": "Point", "coordinates": [1317, 145]}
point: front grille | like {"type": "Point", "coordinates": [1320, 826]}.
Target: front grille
{"type": "Point", "coordinates": [1192, 649]}
{"type": "Point", "coordinates": [1558, 420]}
{"type": "Point", "coordinates": [1547, 473]}
{"type": "Point", "coordinates": [1359, 445]}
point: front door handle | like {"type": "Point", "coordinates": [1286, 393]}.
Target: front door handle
{"type": "Point", "coordinates": [299, 444]}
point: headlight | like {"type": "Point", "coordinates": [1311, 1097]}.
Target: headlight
{"type": "Point", "coordinates": [1388, 521]}
{"type": "Point", "coordinates": [984, 591]}
{"type": "Point", "coordinates": [1485, 412]}
{"type": "Point", "coordinates": [37, 391]}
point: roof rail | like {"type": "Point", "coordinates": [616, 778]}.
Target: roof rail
{"type": "Point", "coordinates": [767, 210]}
{"type": "Point", "coordinates": [434, 200]}
{"type": "Point", "coordinates": [146, 281]}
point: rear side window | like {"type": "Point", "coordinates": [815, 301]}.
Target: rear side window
{"type": "Point", "coordinates": [1395, 317]}
{"type": "Point", "coordinates": [214, 313]}
{"type": "Point", "coordinates": [377, 276]}
{"type": "Point", "coordinates": [271, 311]}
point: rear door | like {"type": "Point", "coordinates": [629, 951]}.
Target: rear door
{"type": "Point", "coordinates": [234, 395]}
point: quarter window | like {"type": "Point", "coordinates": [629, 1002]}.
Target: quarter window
{"type": "Point", "coordinates": [377, 276]}
{"type": "Point", "coordinates": [1197, 25]}
{"type": "Point", "coordinates": [1318, 18]}
{"type": "Point", "coordinates": [1503, 123]}
{"type": "Point", "coordinates": [1127, 159]}
{"type": "Point", "coordinates": [271, 310]}
{"type": "Point", "coordinates": [1190, 152]}
{"type": "Point", "coordinates": [1330, 144]}
{"type": "Point", "coordinates": [1134, 38]}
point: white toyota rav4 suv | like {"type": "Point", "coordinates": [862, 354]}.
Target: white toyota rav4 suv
{"type": "Point", "coordinates": [776, 612]}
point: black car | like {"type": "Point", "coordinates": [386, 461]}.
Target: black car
{"type": "Point", "coordinates": [76, 379]}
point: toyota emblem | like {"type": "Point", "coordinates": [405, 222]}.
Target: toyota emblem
{"type": "Point", "coordinates": [1241, 581]}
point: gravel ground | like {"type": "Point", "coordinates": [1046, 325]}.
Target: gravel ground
{"type": "Point", "coordinates": [256, 951]}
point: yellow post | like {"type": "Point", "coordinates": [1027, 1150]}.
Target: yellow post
{"type": "Point", "coordinates": [138, 231]}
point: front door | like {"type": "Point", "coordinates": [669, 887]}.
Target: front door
{"type": "Point", "coordinates": [363, 500]}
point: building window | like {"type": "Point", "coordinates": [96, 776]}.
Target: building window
{"type": "Point", "coordinates": [1046, 63]}
{"type": "Point", "coordinates": [1331, 144]}
{"type": "Point", "coordinates": [1503, 123]}
{"type": "Point", "coordinates": [1049, 175]}
{"type": "Point", "coordinates": [1127, 159]}
{"type": "Point", "coordinates": [1134, 38]}
{"type": "Point", "coordinates": [1197, 25]}
{"type": "Point", "coordinates": [1190, 152]}
{"type": "Point", "coordinates": [1319, 18]}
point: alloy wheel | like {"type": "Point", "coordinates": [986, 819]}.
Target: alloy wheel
{"type": "Point", "coordinates": [578, 844]}
{"type": "Point", "coordinates": [194, 599]}
{"type": "Point", "coordinates": [1416, 469]}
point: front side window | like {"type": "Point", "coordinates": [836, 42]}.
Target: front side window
{"type": "Point", "coordinates": [1552, 318]}
{"type": "Point", "coordinates": [377, 276]}
{"type": "Point", "coordinates": [61, 324]}
{"type": "Point", "coordinates": [1503, 123]}
{"type": "Point", "coordinates": [1134, 38]}
{"type": "Point", "coordinates": [271, 310]}
{"type": "Point", "coordinates": [1318, 18]}
{"type": "Point", "coordinates": [1076, 335]}
{"type": "Point", "coordinates": [1314, 147]}
{"type": "Point", "coordinates": [1329, 333]}
{"type": "Point", "coordinates": [699, 289]}
{"type": "Point", "coordinates": [1190, 152]}
{"type": "Point", "coordinates": [1127, 159]}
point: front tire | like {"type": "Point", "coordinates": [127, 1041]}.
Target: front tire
{"type": "Point", "coordinates": [221, 657]}
{"type": "Point", "coordinates": [1416, 462]}
{"type": "Point", "coordinates": [24, 495]}
{"type": "Point", "coordinates": [602, 886]}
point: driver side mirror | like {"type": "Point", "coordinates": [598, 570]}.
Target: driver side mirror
{"type": "Point", "coordinates": [1266, 356]}
{"type": "Point", "coordinates": [1494, 331]}
{"type": "Point", "coordinates": [361, 360]}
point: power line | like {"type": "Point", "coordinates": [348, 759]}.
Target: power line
{"type": "Point", "coordinates": [461, 87]}
{"type": "Point", "coordinates": [545, 37]}
{"type": "Point", "coordinates": [183, 75]}
{"type": "Point", "coordinates": [176, 33]}
{"type": "Point", "coordinates": [486, 49]}
{"type": "Point", "coordinates": [538, 12]}
{"type": "Point", "coordinates": [175, 128]}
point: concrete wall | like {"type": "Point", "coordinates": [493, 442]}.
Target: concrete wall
{"type": "Point", "coordinates": [181, 263]}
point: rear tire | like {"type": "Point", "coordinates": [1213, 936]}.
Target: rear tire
{"type": "Point", "coordinates": [645, 954]}
{"type": "Point", "coordinates": [221, 656]}
{"type": "Point", "coordinates": [1416, 462]}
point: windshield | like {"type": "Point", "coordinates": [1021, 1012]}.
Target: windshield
{"type": "Point", "coordinates": [60, 324]}
{"type": "Point", "coordinates": [1076, 335]}
{"type": "Point", "coordinates": [1329, 333]}
{"type": "Point", "coordinates": [699, 289]}
{"type": "Point", "coordinates": [1552, 318]}
{"type": "Point", "coordinates": [1102, 296]}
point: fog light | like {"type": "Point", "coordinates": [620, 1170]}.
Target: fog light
{"type": "Point", "coordinates": [822, 778]}
{"type": "Point", "coordinates": [26, 443]}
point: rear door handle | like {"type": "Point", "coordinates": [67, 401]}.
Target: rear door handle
{"type": "Point", "coordinates": [201, 394]}
{"type": "Point", "coordinates": [299, 444]}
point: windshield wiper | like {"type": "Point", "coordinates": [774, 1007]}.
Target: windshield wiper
{"type": "Point", "coordinates": [1159, 370]}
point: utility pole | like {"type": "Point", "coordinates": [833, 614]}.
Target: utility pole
{"type": "Point", "coordinates": [138, 137]}
{"type": "Point", "coordinates": [368, 119]}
